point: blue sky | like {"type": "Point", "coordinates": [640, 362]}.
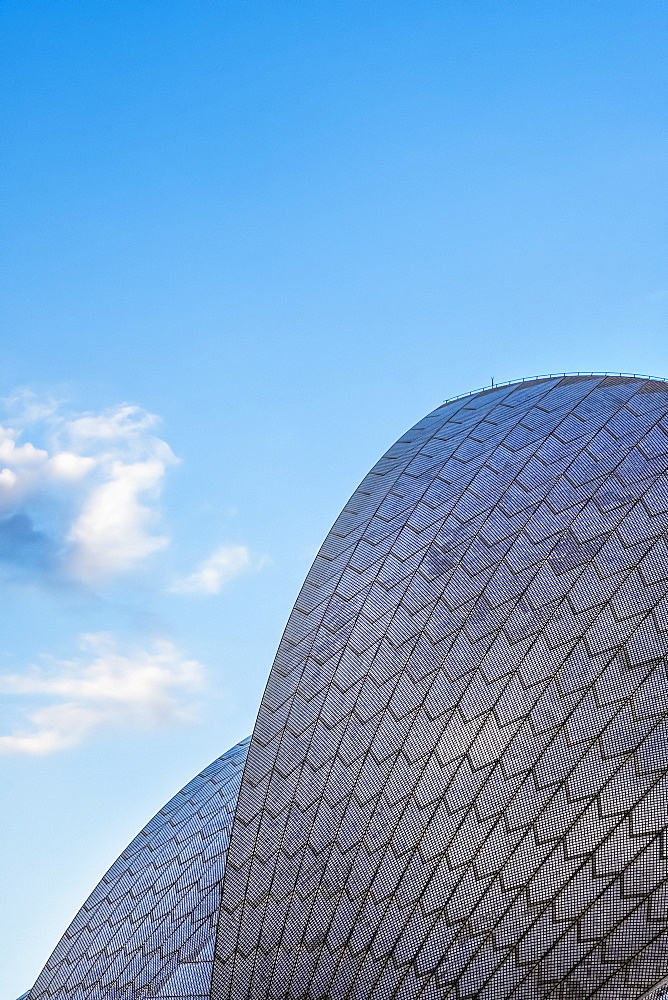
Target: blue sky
{"type": "Point", "coordinates": [246, 245]}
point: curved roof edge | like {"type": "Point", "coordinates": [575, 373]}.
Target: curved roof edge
{"type": "Point", "coordinates": [157, 942]}
{"type": "Point", "coordinates": [528, 379]}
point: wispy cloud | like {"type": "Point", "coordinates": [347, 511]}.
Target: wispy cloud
{"type": "Point", "coordinates": [223, 565]}
{"type": "Point", "coordinates": [105, 687]}
{"type": "Point", "coordinates": [81, 502]}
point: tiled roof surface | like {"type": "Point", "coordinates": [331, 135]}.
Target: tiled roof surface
{"type": "Point", "coordinates": [457, 785]}
{"type": "Point", "coordinates": [147, 931]}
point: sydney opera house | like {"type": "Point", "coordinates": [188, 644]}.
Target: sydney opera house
{"type": "Point", "coordinates": [457, 785]}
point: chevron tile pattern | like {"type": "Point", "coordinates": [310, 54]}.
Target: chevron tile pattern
{"type": "Point", "coordinates": [457, 786]}
{"type": "Point", "coordinates": [147, 931]}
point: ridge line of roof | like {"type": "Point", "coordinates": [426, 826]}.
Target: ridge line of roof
{"type": "Point", "coordinates": [540, 378]}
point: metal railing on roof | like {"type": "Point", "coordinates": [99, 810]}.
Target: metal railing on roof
{"type": "Point", "coordinates": [540, 378]}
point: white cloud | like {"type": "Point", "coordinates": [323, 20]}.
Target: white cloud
{"type": "Point", "coordinates": [140, 688]}
{"type": "Point", "coordinates": [85, 496]}
{"type": "Point", "coordinates": [21, 455]}
{"type": "Point", "coordinates": [67, 465]}
{"type": "Point", "coordinates": [123, 421]}
{"type": "Point", "coordinates": [112, 532]}
{"type": "Point", "coordinates": [223, 565]}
